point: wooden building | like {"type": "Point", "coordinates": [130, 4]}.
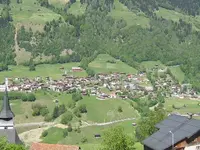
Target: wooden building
{"type": "Point", "coordinates": [175, 132]}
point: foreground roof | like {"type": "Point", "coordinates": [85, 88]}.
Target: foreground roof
{"type": "Point", "coordinates": [181, 127]}
{"type": "Point", "coordinates": [44, 146]}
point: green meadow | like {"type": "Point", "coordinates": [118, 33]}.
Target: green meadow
{"type": "Point", "coordinates": [120, 11]}
{"type": "Point", "coordinates": [106, 110]}
{"type": "Point", "coordinates": [100, 65]}
{"type": "Point", "coordinates": [88, 133]}
{"type": "Point", "coordinates": [43, 70]}
{"type": "Point", "coordinates": [191, 105]}
{"type": "Point", "coordinates": [178, 73]}
{"type": "Point", "coordinates": [77, 8]}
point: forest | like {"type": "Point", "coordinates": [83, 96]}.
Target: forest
{"type": "Point", "coordinates": [94, 32]}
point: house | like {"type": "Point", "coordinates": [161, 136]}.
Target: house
{"type": "Point", "coordinates": [175, 132]}
{"type": "Point", "coordinates": [76, 69]}
{"type": "Point", "coordinates": [44, 146]}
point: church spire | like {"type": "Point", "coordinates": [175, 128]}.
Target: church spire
{"type": "Point", "coordinates": [6, 112]}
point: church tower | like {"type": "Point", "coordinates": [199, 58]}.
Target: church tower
{"type": "Point", "coordinates": [7, 128]}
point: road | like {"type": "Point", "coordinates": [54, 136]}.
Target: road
{"type": "Point", "coordinates": [86, 124]}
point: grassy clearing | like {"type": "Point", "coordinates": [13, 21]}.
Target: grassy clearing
{"type": "Point", "coordinates": [75, 138]}
{"type": "Point", "coordinates": [30, 13]}
{"type": "Point", "coordinates": [191, 105]}
{"type": "Point", "coordinates": [178, 73]}
{"type": "Point", "coordinates": [77, 8]}
{"type": "Point", "coordinates": [121, 11]}
{"type": "Point", "coordinates": [106, 110]}
{"type": "Point", "coordinates": [42, 70]}
{"type": "Point", "coordinates": [100, 65]}
{"type": "Point", "coordinates": [58, 3]}
{"type": "Point", "coordinates": [152, 64]}
{"type": "Point", "coordinates": [175, 16]}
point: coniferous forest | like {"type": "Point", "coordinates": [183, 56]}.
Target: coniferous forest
{"type": "Point", "coordinates": [95, 31]}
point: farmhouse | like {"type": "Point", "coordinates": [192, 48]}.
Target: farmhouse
{"type": "Point", "coordinates": [76, 69]}
{"type": "Point", "coordinates": [175, 132]}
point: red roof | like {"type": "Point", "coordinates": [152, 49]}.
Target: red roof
{"type": "Point", "coordinates": [44, 146]}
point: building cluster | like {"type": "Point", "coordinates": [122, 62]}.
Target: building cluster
{"type": "Point", "coordinates": [104, 86]}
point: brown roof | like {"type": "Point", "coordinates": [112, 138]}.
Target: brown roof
{"type": "Point", "coordinates": [44, 146]}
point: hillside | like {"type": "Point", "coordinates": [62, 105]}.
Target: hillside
{"type": "Point", "coordinates": [89, 65]}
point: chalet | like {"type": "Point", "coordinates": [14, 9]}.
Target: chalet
{"type": "Point", "coordinates": [76, 69]}
{"type": "Point", "coordinates": [44, 146]}
{"type": "Point", "coordinates": [175, 132]}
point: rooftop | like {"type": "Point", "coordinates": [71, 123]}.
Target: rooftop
{"type": "Point", "coordinates": [181, 127]}
{"type": "Point", "coordinates": [44, 146]}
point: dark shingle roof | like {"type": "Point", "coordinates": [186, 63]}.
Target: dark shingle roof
{"type": "Point", "coordinates": [182, 127]}
{"type": "Point", "coordinates": [6, 112]}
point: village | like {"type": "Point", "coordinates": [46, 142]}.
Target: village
{"type": "Point", "coordinates": [105, 86]}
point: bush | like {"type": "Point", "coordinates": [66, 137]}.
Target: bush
{"type": "Point", "coordinates": [84, 140]}
{"type": "Point", "coordinates": [62, 109]}
{"type": "Point", "coordinates": [69, 129]}
{"type": "Point", "coordinates": [120, 109]}
{"type": "Point", "coordinates": [71, 104]}
{"type": "Point", "coordinates": [65, 133]}
{"type": "Point", "coordinates": [44, 111]}
{"type": "Point", "coordinates": [82, 108]}
{"type": "Point", "coordinates": [31, 97]}
{"type": "Point", "coordinates": [36, 112]}
{"type": "Point", "coordinates": [77, 112]}
{"type": "Point", "coordinates": [48, 118]}
{"type": "Point", "coordinates": [76, 96]}
{"type": "Point", "coordinates": [66, 118]}
{"type": "Point", "coordinates": [24, 98]}
{"type": "Point", "coordinates": [44, 133]}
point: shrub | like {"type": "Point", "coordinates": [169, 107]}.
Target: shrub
{"type": "Point", "coordinates": [66, 118]}
{"type": "Point", "coordinates": [44, 133]}
{"type": "Point", "coordinates": [65, 133]}
{"type": "Point", "coordinates": [82, 108]}
{"type": "Point", "coordinates": [77, 112]}
{"type": "Point", "coordinates": [119, 109]}
{"type": "Point", "coordinates": [84, 140]}
{"type": "Point", "coordinates": [31, 97]}
{"type": "Point", "coordinates": [69, 129]}
{"type": "Point", "coordinates": [36, 112]}
{"type": "Point", "coordinates": [44, 111]}
{"type": "Point", "coordinates": [48, 118]}
{"type": "Point", "coordinates": [24, 98]}
{"type": "Point", "coordinates": [71, 104]}
{"type": "Point", "coordinates": [76, 96]}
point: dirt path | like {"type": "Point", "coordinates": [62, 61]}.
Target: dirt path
{"type": "Point", "coordinates": [35, 124]}
{"type": "Point", "coordinates": [31, 136]}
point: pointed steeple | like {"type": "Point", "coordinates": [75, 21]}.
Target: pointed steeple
{"type": "Point", "coordinates": [6, 112]}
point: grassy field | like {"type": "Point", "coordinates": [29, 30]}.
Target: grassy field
{"type": "Point", "coordinates": [106, 110]}
{"type": "Point", "coordinates": [100, 65]}
{"type": "Point", "coordinates": [121, 11]}
{"type": "Point", "coordinates": [175, 16]}
{"type": "Point", "coordinates": [178, 73]}
{"type": "Point", "coordinates": [58, 3]}
{"type": "Point", "coordinates": [191, 105]}
{"type": "Point", "coordinates": [92, 143]}
{"type": "Point", "coordinates": [77, 8]}
{"type": "Point", "coordinates": [31, 14]}
{"type": "Point", "coordinates": [43, 70]}
{"type": "Point", "coordinates": [152, 64]}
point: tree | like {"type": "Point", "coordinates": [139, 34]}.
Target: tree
{"type": "Point", "coordinates": [116, 139]}
{"type": "Point", "coordinates": [119, 109]}
{"type": "Point", "coordinates": [4, 145]}
{"type": "Point", "coordinates": [31, 97]}
{"type": "Point", "coordinates": [44, 133]}
{"type": "Point", "coordinates": [146, 125]}
{"type": "Point", "coordinates": [69, 129]}
{"type": "Point", "coordinates": [55, 112]}
{"type": "Point", "coordinates": [65, 133]}
{"type": "Point", "coordinates": [24, 97]}
{"type": "Point", "coordinates": [66, 118]}
{"type": "Point", "coordinates": [62, 109]}
{"type": "Point", "coordinates": [82, 108]}
{"type": "Point", "coordinates": [76, 96]}
{"type": "Point", "coordinates": [44, 111]}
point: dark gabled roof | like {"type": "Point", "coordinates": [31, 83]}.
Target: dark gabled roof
{"type": "Point", "coordinates": [181, 127]}
{"type": "Point", "coordinates": [6, 112]}
{"type": "Point", "coordinates": [11, 135]}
